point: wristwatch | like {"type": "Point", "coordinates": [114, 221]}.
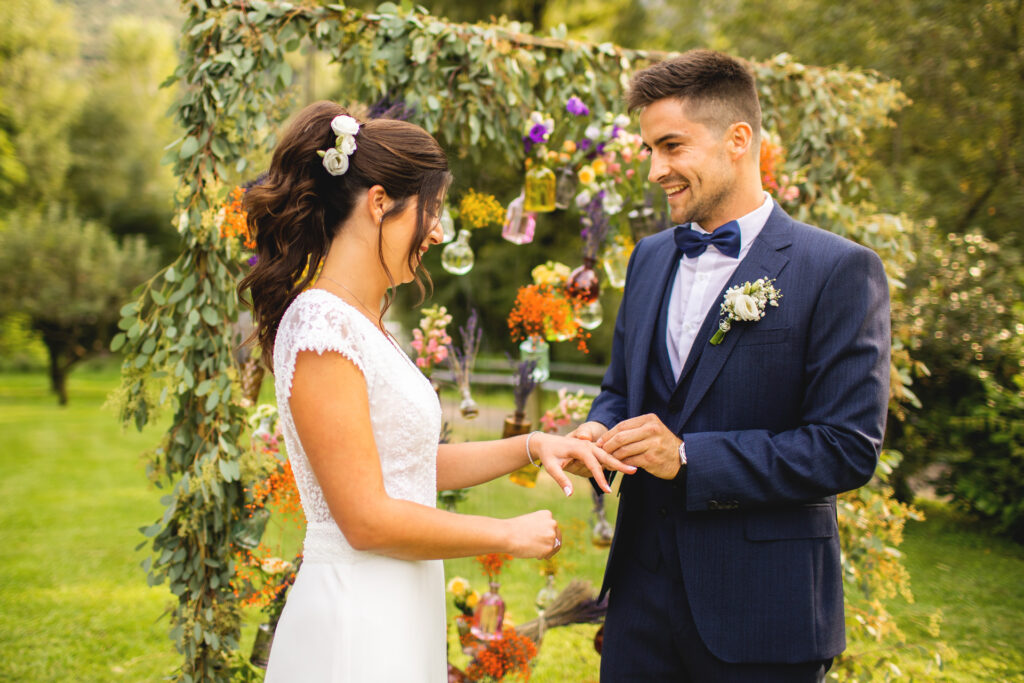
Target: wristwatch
{"type": "Point", "coordinates": [682, 454]}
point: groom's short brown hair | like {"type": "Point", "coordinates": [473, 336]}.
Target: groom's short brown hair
{"type": "Point", "coordinates": [719, 88]}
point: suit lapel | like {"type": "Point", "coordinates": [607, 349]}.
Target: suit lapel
{"type": "Point", "coordinates": [660, 270]}
{"type": "Point", "coordinates": [764, 259]}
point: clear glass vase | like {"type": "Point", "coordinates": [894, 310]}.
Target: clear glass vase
{"type": "Point", "coordinates": [515, 425]}
{"type": "Point", "coordinates": [457, 258]}
{"type": "Point", "coordinates": [546, 595]}
{"type": "Point", "coordinates": [489, 615]}
{"type": "Point", "coordinates": [467, 406]}
{"type": "Point", "coordinates": [565, 188]}
{"type": "Point", "coordinates": [540, 189]}
{"type": "Point", "coordinates": [615, 262]}
{"type": "Point", "coordinates": [448, 225]}
{"type": "Point", "coordinates": [535, 348]}
{"type": "Point", "coordinates": [590, 315]}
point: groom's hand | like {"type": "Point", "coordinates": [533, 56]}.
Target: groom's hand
{"type": "Point", "coordinates": [645, 442]}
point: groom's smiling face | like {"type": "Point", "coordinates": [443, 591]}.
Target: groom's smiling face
{"type": "Point", "coordinates": [689, 161]}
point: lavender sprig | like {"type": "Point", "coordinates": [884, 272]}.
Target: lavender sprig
{"type": "Point", "coordinates": [523, 383]}
{"type": "Point", "coordinates": [596, 226]}
{"type": "Point", "coordinates": [463, 359]}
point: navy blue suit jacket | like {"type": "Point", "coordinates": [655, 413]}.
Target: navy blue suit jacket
{"type": "Point", "coordinates": [785, 413]}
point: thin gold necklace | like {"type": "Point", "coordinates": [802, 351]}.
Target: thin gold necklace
{"type": "Point", "coordinates": [351, 293]}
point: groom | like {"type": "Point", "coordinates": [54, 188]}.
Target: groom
{"type": "Point", "coordinates": [726, 561]}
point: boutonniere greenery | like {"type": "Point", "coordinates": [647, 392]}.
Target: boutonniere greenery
{"type": "Point", "coordinates": [745, 303]}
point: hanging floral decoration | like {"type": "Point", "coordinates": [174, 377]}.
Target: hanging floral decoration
{"type": "Point", "coordinates": [478, 210]}
{"type": "Point", "coordinates": [569, 409]}
{"type": "Point", "coordinates": [546, 312]}
{"type": "Point", "coordinates": [509, 656]}
{"type": "Point", "coordinates": [430, 340]}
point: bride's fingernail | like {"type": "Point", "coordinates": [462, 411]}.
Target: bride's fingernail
{"type": "Point", "coordinates": [567, 489]}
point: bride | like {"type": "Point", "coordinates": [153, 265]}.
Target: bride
{"type": "Point", "coordinates": [345, 214]}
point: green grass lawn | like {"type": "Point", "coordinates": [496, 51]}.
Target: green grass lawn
{"type": "Point", "coordinates": [74, 605]}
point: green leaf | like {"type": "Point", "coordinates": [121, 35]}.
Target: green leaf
{"type": "Point", "coordinates": [189, 147]}
{"type": "Point", "coordinates": [118, 341]}
{"type": "Point", "coordinates": [210, 316]}
{"type": "Point", "coordinates": [229, 469]}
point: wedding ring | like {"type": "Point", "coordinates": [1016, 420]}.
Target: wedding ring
{"type": "Point", "coordinates": [558, 542]}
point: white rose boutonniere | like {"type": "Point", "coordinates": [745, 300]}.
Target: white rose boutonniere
{"type": "Point", "coordinates": [745, 303]}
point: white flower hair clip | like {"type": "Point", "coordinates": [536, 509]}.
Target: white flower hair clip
{"type": "Point", "coordinates": [336, 158]}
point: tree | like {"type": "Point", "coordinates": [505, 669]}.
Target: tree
{"type": "Point", "coordinates": [69, 277]}
{"type": "Point", "coordinates": [40, 96]}
{"type": "Point", "coordinates": [120, 133]}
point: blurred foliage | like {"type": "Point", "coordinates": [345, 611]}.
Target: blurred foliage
{"type": "Point", "coordinates": [68, 278]}
{"type": "Point", "coordinates": [119, 134]}
{"type": "Point", "coordinates": [962, 297]}
{"type": "Point", "coordinates": [21, 348]}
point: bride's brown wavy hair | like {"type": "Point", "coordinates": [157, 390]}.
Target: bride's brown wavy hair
{"type": "Point", "coordinates": [297, 209]}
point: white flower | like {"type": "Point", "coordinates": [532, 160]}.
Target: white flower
{"type": "Point", "coordinates": [621, 121]}
{"type": "Point", "coordinates": [347, 144]}
{"type": "Point", "coordinates": [583, 198]}
{"type": "Point", "coordinates": [746, 308]}
{"type": "Point", "coordinates": [612, 202]}
{"type": "Point", "coordinates": [335, 162]}
{"type": "Point", "coordinates": [344, 125]}
{"type": "Point", "coordinates": [593, 132]}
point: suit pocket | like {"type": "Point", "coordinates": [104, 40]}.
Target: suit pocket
{"type": "Point", "coordinates": [756, 336]}
{"type": "Point", "coordinates": [805, 521]}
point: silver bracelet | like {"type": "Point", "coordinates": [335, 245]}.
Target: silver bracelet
{"type": "Point", "coordinates": [528, 454]}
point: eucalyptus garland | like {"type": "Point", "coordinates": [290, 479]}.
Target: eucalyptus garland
{"type": "Point", "coordinates": [468, 84]}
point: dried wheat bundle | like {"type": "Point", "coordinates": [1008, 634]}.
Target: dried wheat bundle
{"type": "Point", "coordinates": [574, 605]}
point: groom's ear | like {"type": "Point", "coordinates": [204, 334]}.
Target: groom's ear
{"type": "Point", "coordinates": [739, 138]}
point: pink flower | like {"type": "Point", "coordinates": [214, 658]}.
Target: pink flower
{"type": "Point", "coordinates": [630, 172]}
{"type": "Point", "coordinates": [422, 362]}
{"type": "Point", "coordinates": [440, 354]}
{"type": "Point", "coordinates": [614, 168]}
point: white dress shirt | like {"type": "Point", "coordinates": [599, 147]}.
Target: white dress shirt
{"type": "Point", "coordinates": [700, 280]}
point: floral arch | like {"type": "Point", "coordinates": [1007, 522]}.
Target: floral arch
{"type": "Point", "coordinates": [465, 83]}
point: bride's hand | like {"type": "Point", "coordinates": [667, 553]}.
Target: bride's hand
{"type": "Point", "coordinates": [535, 535]}
{"type": "Point", "coordinates": [561, 454]}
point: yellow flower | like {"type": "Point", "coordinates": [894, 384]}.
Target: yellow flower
{"type": "Point", "coordinates": [569, 146]}
{"type": "Point", "coordinates": [600, 166]}
{"type": "Point", "coordinates": [472, 599]}
{"type": "Point", "coordinates": [458, 586]}
{"type": "Point", "coordinates": [586, 175]}
{"type": "Point", "coordinates": [478, 210]}
{"type": "Point", "coordinates": [551, 273]}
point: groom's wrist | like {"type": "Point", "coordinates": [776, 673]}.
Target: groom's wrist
{"type": "Point", "coordinates": [682, 454]}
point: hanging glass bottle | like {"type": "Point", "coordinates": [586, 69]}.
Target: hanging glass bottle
{"type": "Point", "coordinates": [590, 315]}
{"type": "Point", "coordinates": [583, 282]}
{"type": "Point", "coordinates": [540, 189]}
{"type": "Point", "coordinates": [535, 348]}
{"type": "Point", "coordinates": [489, 615]}
{"type": "Point", "coordinates": [546, 595]}
{"type": "Point", "coordinates": [519, 225]}
{"type": "Point", "coordinates": [467, 407]}
{"type": "Point", "coordinates": [565, 188]}
{"type": "Point", "coordinates": [615, 262]}
{"type": "Point", "coordinates": [515, 425]}
{"type": "Point", "coordinates": [457, 258]}
{"type": "Point", "coordinates": [601, 536]}
{"type": "Point", "coordinates": [448, 225]}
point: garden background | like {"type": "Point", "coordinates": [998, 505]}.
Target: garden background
{"type": "Point", "coordinates": [87, 214]}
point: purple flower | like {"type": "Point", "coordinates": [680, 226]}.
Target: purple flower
{"type": "Point", "coordinates": [583, 144]}
{"type": "Point", "coordinates": [538, 133]}
{"type": "Point", "coordinates": [576, 107]}
{"type": "Point", "coordinates": [253, 260]}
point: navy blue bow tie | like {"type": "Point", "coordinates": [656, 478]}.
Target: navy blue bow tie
{"type": "Point", "coordinates": [726, 238]}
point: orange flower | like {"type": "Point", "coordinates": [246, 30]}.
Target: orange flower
{"type": "Point", "coordinates": [234, 223]}
{"type": "Point", "coordinates": [492, 564]}
{"type": "Point", "coordinates": [539, 311]}
{"type": "Point", "coordinates": [509, 655]}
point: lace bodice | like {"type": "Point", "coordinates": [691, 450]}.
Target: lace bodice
{"type": "Point", "coordinates": [404, 411]}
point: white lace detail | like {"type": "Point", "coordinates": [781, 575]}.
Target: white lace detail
{"type": "Point", "coordinates": [404, 411]}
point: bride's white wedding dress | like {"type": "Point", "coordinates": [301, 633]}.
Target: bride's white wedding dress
{"type": "Point", "coordinates": [356, 616]}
